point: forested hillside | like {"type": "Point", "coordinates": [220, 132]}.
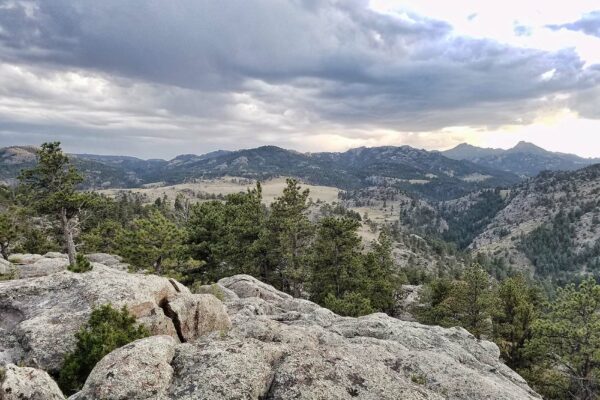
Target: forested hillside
{"type": "Point", "coordinates": [551, 224]}
{"type": "Point", "coordinates": [427, 173]}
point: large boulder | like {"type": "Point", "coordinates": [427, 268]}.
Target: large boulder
{"type": "Point", "coordinates": [27, 384]}
{"type": "Point", "coordinates": [138, 371]}
{"type": "Point", "coordinates": [195, 315]}
{"type": "Point", "coordinates": [40, 316]}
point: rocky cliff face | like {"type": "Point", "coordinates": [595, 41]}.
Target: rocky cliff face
{"type": "Point", "coordinates": [257, 343]}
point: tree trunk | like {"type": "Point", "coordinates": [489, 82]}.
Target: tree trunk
{"type": "Point", "coordinates": [67, 228]}
{"type": "Point", "coordinates": [4, 250]}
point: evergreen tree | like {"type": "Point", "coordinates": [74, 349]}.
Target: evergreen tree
{"type": "Point", "coordinates": [467, 302]}
{"type": "Point", "coordinates": [337, 268]}
{"type": "Point", "coordinates": [382, 280]}
{"type": "Point", "coordinates": [566, 344]}
{"type": "Point", "coordinates": [52, 185]}
{"type": "Point", "coordinates": [516, 308]}
{"type": "Point", "coordinates": [225, 236]}
{"type": "Point", "coordinates": [150, 241]}
{"type": "Point", "coordinates": [472, 301]}
{"type": "Point", "coordinates": [287, 240]}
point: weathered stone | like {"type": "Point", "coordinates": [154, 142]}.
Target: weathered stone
{"type": "Point", "coordinates": [43, 314]}
{"type": "Point", "coordinates": [247, 286]}
{"type": "Point", "coordinates": [6, 267]}
{"type": "Point", "coordinates": [219, 291]}
{"type": "Point", "coordinates": [41, 267]}
{"type": "Point", "coordinates": [109, 260]}
{"type": "Point", "coordinates": [262, 344]}
{"type": "Point", "coordinates": [195, 315]}
{"type": "Point", "coordinates": [220, 370]}
{"type": "Point", "coordinates": [27, 384]}
{"type": "Point", "coordinates": [18, 258]}
{"type": "Point", "coordinates": [137, 371]}
{"type": "Point", "coordinates": [54, 254]}
{"type": "Point", "coordinates": [407, 301]}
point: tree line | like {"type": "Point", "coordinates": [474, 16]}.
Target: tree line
{"type": "Point", "coordinates": [200, 243]}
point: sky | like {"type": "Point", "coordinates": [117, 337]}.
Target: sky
{"type": "Point", "coordinates": [155, 78]}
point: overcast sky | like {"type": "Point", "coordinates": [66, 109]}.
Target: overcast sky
{"type": "Point", "coordinates": [157, 78]}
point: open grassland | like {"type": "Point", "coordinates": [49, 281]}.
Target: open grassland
{"type": "Point", "coordinates": [223, 186]}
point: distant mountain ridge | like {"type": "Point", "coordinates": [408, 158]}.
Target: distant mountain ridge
{"type": "Point", "coordinates": [429, 174]}
{"type": "Point", "coordinates": [525, 159]}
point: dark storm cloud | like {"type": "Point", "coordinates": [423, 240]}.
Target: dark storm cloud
{"type": "Point", "coordinates": [246, 71]}
{"type": "Point", "coordinates": [588, 24]}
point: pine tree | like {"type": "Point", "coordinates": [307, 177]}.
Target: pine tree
{"type": "Point", "coordinates": [287, 239]}
{"type": "Point", "coordinates": [225, 236]}
{"type": "Point", "coordinates": [52, 185]}
{"type": "Point", "coordinates": [106, 330]}
{"type": "Point", "coordinates": [382, 281]}
{"type": "Point", "coordinates": [566, 344]}
{"type": "Point", "coordinates": [150, 241]}
{"type": "Point", "coordinates": [516, 308]}
{"type": "Point", "coordinates": [472, 301]}
{"type": "Point", "coordinates": [337, 267]}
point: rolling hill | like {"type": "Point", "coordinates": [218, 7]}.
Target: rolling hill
{"type": "Point", "coordinates": [429, 174]}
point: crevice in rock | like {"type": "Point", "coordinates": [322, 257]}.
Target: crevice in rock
{"type": "Point", "coordinates": [269, 394]}
{"type": "Point", "coordinates": [172, 315]}
{"type": "Point", "coordinates": [172, 282]}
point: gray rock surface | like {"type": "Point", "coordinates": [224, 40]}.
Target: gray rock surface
{"type": "Point", "coordinates": [6, 267]}
{"type": "Point", "coordinates": [109, 260]}
{"type": "Point", "coordinates": [258, 344]}
{"type": "Point", "coordinates": [284, 348]}
{"type": "Point", "coordinates": [140, 370]}
{"type": "Point", "coordinates": [39, 316]}
{"type": "Point", "coordinates": [27, 384]}
{"type": "Point", "coordinates": [407, 300]}
{"type": "Point", "coordinates": [197, 314]}
{"type": "Point", "coordinates": [41, 267]}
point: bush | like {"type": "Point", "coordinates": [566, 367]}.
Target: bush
{"type": "Point", "coordinates": [352, 304]}
{"type": "Point", "coordinates": [107, 329]}
{"type": "Point", "coordinates": [81, 264]}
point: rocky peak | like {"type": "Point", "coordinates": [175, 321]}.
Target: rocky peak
{"type": "Point", "coordinates": [254, 343]}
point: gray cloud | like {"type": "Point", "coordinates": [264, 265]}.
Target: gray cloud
{"type": "Point", "coordinates": [240, 73]}
{"type": "Point", "coordinates": [589, 24]}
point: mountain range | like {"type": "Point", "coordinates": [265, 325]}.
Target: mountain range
{"type": "Point", "coordinates": [430, 174]}
{"type": "Point", "coordinates": [525, 159]}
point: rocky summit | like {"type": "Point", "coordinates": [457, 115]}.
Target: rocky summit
{"type": "Point", "coordinates": [238, 339]}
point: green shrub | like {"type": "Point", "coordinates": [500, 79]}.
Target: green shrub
{"type": "Point", "coordinates": [107, 329]}
{"type": "Point", "coordinates": [82, 264]}
{"type": "Point", "coordinates": [352, 304]}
